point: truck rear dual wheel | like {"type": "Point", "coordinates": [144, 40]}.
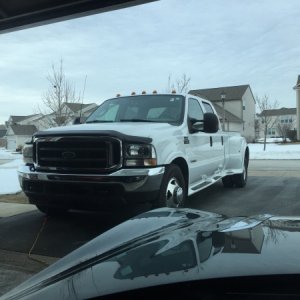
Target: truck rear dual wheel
{"type": "Point", "coordinates": [237, 180]}
{"type": "Point", "coordinates": [173, 188]}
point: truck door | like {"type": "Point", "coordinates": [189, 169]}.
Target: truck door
{"type": "Point", "coordinates": [199, 147]}
{"type": "Point", "coordinates": [217, 144]}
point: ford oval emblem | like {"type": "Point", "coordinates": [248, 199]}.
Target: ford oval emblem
{"type": "Point", "coordinates": [68, 155]}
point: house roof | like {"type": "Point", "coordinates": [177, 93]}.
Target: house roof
{"type": "Point", "coordinates": [92, 109]}
{"type": "Point", "coordinates": [23, 129]}
{"type": "Point", "coordinates": [229, 117]}
{"type": "Point", "coordinates": [16, 119]}
{"type": "Point", "coordinates": [77, 106]}
{"type": "Point", "coordinates": [278, 112]}
{"type": "Point", "coordinates": [214, 94]}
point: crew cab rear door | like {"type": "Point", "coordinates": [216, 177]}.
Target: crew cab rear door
{"type": "Point", "coordinates": [217, 143]}
{"type": "Point", "coordinates": [199, 150]}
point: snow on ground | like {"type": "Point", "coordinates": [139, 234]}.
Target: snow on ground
{"type": "Point", "coordinates": [5, 154]}
{"type": "Point", "coordinates": [9, 183]}
{"type": "Point", "coordinates": [274, 151]}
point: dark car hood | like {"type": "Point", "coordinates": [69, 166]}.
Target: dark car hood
{"type": "Point", "coordinates": [166, 246]}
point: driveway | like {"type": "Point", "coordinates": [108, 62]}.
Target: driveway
{"type": "Point", "coordinates": [273, 187]}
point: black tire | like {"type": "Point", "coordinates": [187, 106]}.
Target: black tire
{"type": "Point", "coordinates": [173, 190]}
{"type": "Point", "coordinates": [237, 180]}
{"type": "Point", "coordinates": [228, 181]}
{"type": "Point", "coordinates": [51, 211]}
{"type": "Point", "coordinates": [240, 180]}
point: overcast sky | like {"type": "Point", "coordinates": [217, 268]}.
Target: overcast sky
{"type": "Point", "coordinates": [215, 42]}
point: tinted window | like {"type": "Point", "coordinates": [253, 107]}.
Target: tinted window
{"type": "Point", "coordinates": [195, 110]}
{"type": "Point", "coordinates": [207, 107]}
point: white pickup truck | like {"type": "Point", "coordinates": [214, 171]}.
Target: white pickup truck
{"type": "Point", "coordinates": [159, 148]}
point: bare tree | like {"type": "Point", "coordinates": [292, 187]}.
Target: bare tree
{"type": "Point", "coordinates": [181, 85]}
{"type": "Point", "coordinates": [283, 129]}
{"type": "Point", "coordinates": [60, 91]}
{"type": "Point", "coordinates": [268, 121]}
{"type": "Point", "coordinates": [257, 127]}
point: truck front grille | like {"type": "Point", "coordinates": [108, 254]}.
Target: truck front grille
{"type": "Point", "coordinates": [78, 153]}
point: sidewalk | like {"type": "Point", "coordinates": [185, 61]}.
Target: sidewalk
{"type": "Point", "coordinates": [16, 267]}
{"type": "Point", "coordinates": [12, 209]}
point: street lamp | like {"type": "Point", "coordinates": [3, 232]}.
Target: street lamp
{"type": "Point", "coordinates": [223, 97]}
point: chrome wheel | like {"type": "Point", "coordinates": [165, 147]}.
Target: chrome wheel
{"type": "Point", "coordinates": [173, 188]}
{"type": "Point", "coordinates": [174, 193]}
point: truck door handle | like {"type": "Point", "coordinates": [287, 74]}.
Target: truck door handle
{"type": "Point", "coordinates": [211, 141]}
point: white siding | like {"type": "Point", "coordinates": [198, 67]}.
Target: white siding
{"type": "Point", "coordinates": [248, 115]}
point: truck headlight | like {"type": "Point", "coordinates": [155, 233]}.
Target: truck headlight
{"type": "Point", "coordinates": [140, 155]}
{"type": "Point", "coordinates": [28, 154]}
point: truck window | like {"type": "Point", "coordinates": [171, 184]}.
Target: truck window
{"type": "Point", "coordinates": [208, 107]}
{"type": "Point", "coordinates": [195, 110]}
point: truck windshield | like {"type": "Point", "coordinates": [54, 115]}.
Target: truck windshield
{"type": "Point", "coordinates": [143, 108]}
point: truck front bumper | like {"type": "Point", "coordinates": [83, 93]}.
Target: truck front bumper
{"type": "Point", "coordinates": [126, 184]}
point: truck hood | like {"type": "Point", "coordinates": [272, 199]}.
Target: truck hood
{"type": "Point", "coordinates": [124, 130]}
{"type": "Point", "coordinates": [166, 246]}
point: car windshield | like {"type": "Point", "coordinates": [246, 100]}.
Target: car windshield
{"type": "Point", "coordinates": [144, 108]}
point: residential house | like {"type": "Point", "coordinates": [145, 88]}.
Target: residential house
{"type": "Point", "coordinates": [21, 128]}
{"type": "Point", "coordinates": [297, 89]}
{"type": "Point", "coordinates": [69, 112]}
{"type": "Point", "coordinates": [2, 134]}
{"type": "Point", "coordinates": [279, 121]}
{"type": "Point", "coordinates": [239, 107]}
{"type": "Point", "coordinates": [17, 135]}
{"type": "Point", "coordinates": [2, 130]}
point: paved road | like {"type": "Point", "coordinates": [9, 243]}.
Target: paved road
{"type": "Point", "coordinates": [273, 187]}
{"type": "Point", "coordinates": [4, 161]}
{"type": "Point", "coordinates": [283, 167]}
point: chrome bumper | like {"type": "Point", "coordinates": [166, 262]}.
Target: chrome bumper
{"type": "Point", "coordinates": [132, 180]}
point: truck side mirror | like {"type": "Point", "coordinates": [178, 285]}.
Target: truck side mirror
{"type": "Point", "coordinates": [211, 123]}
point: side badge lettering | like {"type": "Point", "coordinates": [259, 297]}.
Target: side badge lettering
{"type": "Point", "coordinates": [186, 140]}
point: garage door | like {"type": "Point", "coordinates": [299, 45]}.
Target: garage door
{"type": "Point", "coordinates": [11, 144]}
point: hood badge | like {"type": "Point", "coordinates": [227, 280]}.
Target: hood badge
{"type": "Point", "coordinates": [68, 155]}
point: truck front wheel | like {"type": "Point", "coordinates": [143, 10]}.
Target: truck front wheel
{"type": "Point", "coordinates": [51, 211]}
{"type": "Point", "coordinates": [173, 188]}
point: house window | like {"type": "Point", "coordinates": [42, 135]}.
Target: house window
{"type": "Point", "coordinates": [272, 131]}
{"type": "Point", "coordinates": [207, 107]}
{"type": "Point", "coordinates": [286, 119]}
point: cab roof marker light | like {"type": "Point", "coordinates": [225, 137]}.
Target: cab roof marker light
{"type": "Point", "coordinates": [118, 95]}
{"type": "Point", "coordinates": [143, 92]}
{"type": "Point", "coordinates": [154, 92]}
{"type": "Point", "coordinates": [173, 91]}
{"type": "Point", "coordinates": [133, 94]}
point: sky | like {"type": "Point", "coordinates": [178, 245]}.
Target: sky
{"type": "Point", "coordinates": [215, 43]}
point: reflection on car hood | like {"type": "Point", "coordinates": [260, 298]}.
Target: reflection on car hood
{"type": "Point", "coordinates": [166, 246]}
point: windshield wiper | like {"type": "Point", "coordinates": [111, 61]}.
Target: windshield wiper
{"type": "Point", "coordinates": [99, 121]}
{"type": "Point", "coordinates": [137, 120]}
